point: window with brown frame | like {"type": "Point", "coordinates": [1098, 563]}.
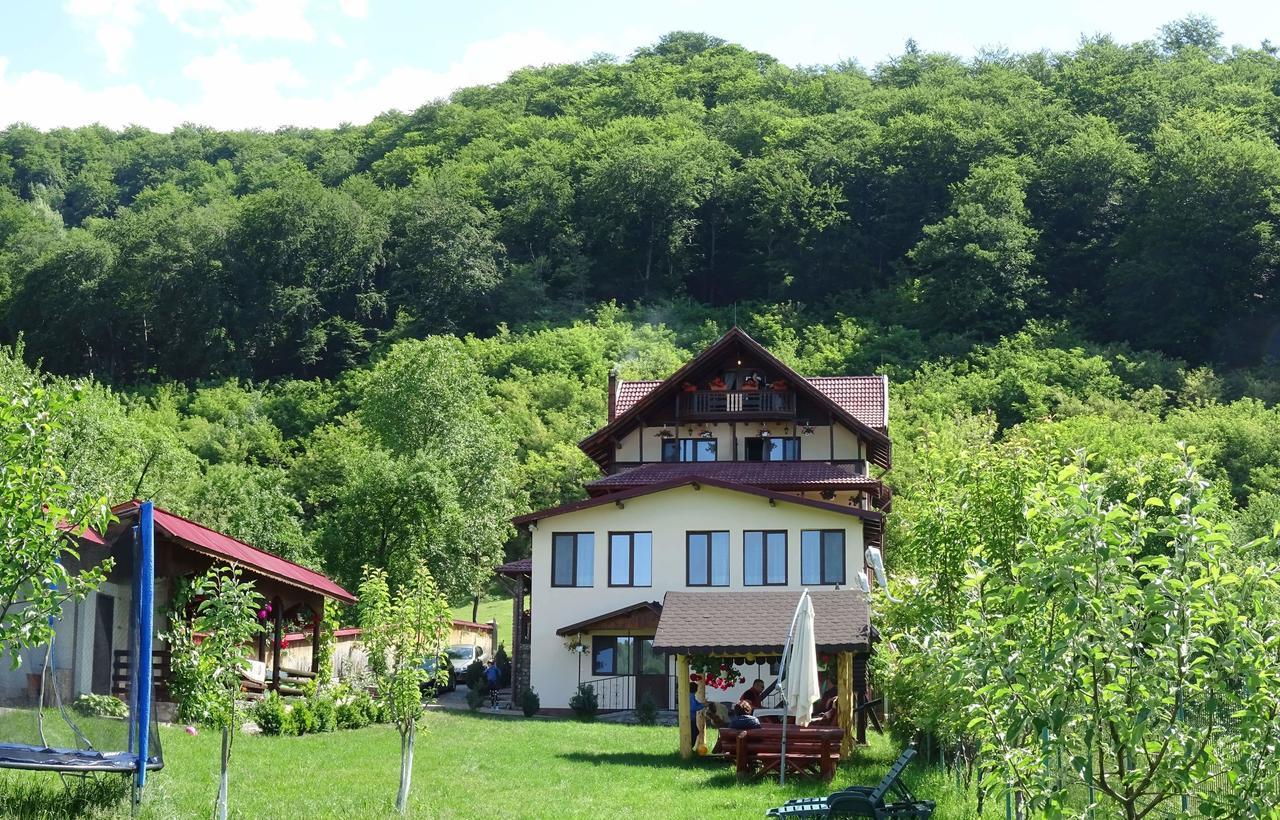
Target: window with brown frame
{"type": "Point", "coordinates": [573, 559]}
{"type": "Point", "coordinates": [764, 558]}
{"type": "Point", "coordinates": [630, 559]}
{"type": "Point", "coordinates": [707, 558]}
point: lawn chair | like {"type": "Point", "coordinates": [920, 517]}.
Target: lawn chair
{"type": "Point", "coordinates": [863, 801]}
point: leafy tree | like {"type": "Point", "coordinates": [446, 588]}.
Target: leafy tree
{"type": "Point", "coordinates": [227, 616]}
{"type": "Point", "coordinates": [401, 631]}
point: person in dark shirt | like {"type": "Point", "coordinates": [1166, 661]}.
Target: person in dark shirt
{"type": "Point", "coordinates": [757, 693]}
{"type": "Point", "coordinates": [742, 717]}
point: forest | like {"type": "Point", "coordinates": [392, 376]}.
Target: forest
{"type": "Point", "coordinates": [373, 343]}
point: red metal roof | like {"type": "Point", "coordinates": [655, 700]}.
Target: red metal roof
{"type": "Point", "coordinates": [217, 545]}
{"type": "Point", "coordinates": [771, 474]}
{"type": "Point", "coordinates": [863, 397]}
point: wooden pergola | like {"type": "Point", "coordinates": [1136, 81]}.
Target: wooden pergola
{"type": "Point", "coordinates": [735, 625]}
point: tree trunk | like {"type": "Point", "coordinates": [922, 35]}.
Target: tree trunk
{"type": "Point", "coordinates": [406, 767]}
{"type": "Point", "coordinates": [222, 778]}
{"type": "Point", "coordinates": [475, 608]}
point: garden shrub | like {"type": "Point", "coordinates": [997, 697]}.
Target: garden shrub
{"type": "Point", "coordinates": [473, 677]}
{"type": "Point", "coordinates": [100, 706]}
{"type": "Point", "coordinates": [647, 710]}
{"type": "Point", "coordinates": [530, 703]}
{"type": "Point", "coordinates": [503, 661]}
{"type": "Point", "coordinates": [352, 715]}
{"type": "Point", "coordinates": [270, 714]}
{"type": "Point", "coordinates": [584, 703]}
{"type": "Point", "coordinates": [326, 713]}
{"type": "Point", "coordinates": [302, 721]}
{"type": "Point", "coordinates": [475, 698]}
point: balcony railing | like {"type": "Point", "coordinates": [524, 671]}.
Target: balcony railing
{"type": "Point", "coordinates": [737, 402]}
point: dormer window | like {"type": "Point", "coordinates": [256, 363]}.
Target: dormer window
{"type": "Point", "coordinates": [688, 449]}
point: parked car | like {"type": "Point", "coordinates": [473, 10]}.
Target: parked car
{"type": "Point", "coordinates": [431, 688]}
{"type": "Point", "coordinates": [463, 655]}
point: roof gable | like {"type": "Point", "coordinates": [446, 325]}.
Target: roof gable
{"type": "Point", "coordinates": [596, 446]}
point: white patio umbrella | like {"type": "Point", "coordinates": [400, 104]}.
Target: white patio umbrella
{"type": "Point", "coordinates": [800, 687]}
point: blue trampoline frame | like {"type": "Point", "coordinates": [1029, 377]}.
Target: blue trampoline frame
{"type": "Point", "coordinates": [138, 758]}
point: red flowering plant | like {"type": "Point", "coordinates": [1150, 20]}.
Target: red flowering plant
{"type": "Point", "coordinates": [719, 673]}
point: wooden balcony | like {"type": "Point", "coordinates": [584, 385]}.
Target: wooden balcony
{"type": "Point", "coordinates": [741, 403]}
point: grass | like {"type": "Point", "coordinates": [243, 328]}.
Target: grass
{"type": "Point", "coordinates": [466, 765]}
{"type": "Point", "coordinates": [497, 609]}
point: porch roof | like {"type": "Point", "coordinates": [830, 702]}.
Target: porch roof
{"type": "Point", "coordinates": [648, 613]}
{"type": "Point", "coordinates": [199, 538]}
{"type": "Point", "coordinates": [739, 623]}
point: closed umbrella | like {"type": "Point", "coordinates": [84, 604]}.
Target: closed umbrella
{"type": "Point", "coordinates": [800, 687]}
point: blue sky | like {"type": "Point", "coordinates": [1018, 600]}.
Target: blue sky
{"type": "Point", "coordinates": [266, 63]}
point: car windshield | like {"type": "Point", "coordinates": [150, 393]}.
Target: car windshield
{"type": "Point", "coordinates": [430, 664]}
{"type": "Point", "coordinates": [461, 653]}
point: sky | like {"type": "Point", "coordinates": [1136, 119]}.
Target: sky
{"type": "Point", "coordinates": [268, 63]}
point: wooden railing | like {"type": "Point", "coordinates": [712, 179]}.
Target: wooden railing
{"type": "Point", "coordinates": [729, 402]}
{"type": "Point", "coordinates": [160, 666]}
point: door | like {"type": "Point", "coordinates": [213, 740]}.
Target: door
{"type": "Point", "coordinates": [103, 628]}
{"type": "Point", "coordinates": [651, 674]}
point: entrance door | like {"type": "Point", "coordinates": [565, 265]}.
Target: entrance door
{"type": "Point", "coordinates": [651, 674]}
{"type": "Point", "coordinates": [103, 628]}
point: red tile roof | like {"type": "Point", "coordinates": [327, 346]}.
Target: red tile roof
{"type": "Point", "coordinates": [696, 622]}
{"type": "Point", "coordinates": [792, 475]}
{"type": "Point", "coordinates": [863, 397]}
{"type": "Point", "coordinates": [217, 545]}
{"type": "Point", "coordinates": [521, 566]}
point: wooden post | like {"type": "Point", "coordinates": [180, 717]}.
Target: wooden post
{"type": "Point", "coordinates": [844, 703]}
{"type": "Point", "coordinates": [682, 706]}
{"type": "Point", "coordinates": [277, 613]}
{"type": "Point", "coordinates": [315, 639]}
{"type": "Point", "coordinates": [702, 715]}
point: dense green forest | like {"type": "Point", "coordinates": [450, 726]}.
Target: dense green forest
{"type": "Point", "coordinates": [377, 342]}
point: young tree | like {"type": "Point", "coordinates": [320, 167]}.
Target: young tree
{"type": "Point", "coordinates": [1147, 675]}
{"type": "Point", "coordinates": [401, 632]}
{"type": "Point", "coordinates": [40, 515]}
{"type": "Point", "coordinates": [227, 615]}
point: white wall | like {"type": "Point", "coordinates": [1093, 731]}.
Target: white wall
{"type": "Point", "coordinates": [817, 446]}
{"type": "Point", "coordinates": [668, 515]}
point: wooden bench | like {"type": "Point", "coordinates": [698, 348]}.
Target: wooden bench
{"type": "Point", "coordinates": [810, 750]}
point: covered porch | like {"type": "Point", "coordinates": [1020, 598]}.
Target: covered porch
{"type": "Point", "coordinates": [742, 627]}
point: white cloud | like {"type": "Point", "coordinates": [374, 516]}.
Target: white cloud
{"type": "Point", "coordinates": [358, 9]}
{"type": "Point", "coordinates": [271, 19]}
{"type": "Point", "coordinates": [112, 22]}
{"type": "Point", "coordinates": [230, 90]}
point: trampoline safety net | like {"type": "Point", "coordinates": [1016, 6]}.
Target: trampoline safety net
{"type": "Point", "coordinates": [95, 651]}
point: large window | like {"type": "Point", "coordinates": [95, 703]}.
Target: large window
{"type": "Point", "coordinates": [625, 655]}
{"type": "Point", "coordinates": [774, 448]}
{"type": "Point", "coordinates": [573, 559]}
{"type": "Point", "coordinates": [630, 559]}
{"type": "Point", "coordinates": [822, 557]}
{"type": "Point", "coordinates": [707, 559]}
{"type": "Point", "coordinates": [764, 558]}
{"type": "Point", "coordinates": [688, 449]}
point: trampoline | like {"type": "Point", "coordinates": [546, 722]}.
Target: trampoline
{"type": "Point", "coordinates": [86, 632]}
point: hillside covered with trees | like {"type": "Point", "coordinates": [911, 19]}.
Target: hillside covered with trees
{"type": "Point", "coordinates": [376, 343]}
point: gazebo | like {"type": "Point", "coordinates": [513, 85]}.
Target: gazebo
{"type": "Point", "coordinates": [735, 625]}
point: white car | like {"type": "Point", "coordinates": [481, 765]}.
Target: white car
{"type": "Point", "coordinates": [462, 656]}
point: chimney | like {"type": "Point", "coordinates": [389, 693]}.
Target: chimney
{"type": "Point", "coordinates": [613, 393]}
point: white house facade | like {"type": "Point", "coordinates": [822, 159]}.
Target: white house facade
{"type": "Point", "coordinates": [734, 474]}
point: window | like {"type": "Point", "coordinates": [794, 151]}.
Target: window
{"type": "Point", "coordinates": [611, 654]}
{"type": "Point", "coordinates": [764, 558]}
{"type": "Point", "coordinates": [707, 559]}
{"type": "Point", "coordinates": [688, 449]}
{"type": "Point", "coordinates": [630, 559]}
{"type": "Point", "coordinates": [625, 655]}
{"type": "Point", "coordinates": [573, 559]}
{"type": "Point", "coordinates": [822, 557]}
{"type": "Point", "coordinates": [774, 448]}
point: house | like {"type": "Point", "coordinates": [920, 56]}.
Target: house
{"type": "Point", "coordinates": [92, 636]}
{"type": "Point", "coordinates": [733, 475]}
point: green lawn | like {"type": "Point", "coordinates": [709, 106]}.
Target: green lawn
{"type": "Point", "coordinates": [495, 610]}
{"type": "Point", "coordinates": [466, 766]}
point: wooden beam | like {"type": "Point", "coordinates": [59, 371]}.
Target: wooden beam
{"type": "Point", "coordinates": [701, 745]}
{"type": "Point", "coordinates": [844, 703]}
{"type": "Point", "coordinates": [682, 706]}
{"type": "Point", "coordinates": [315, 639]}
{"type": "Point", "coordinates": [277, 611]}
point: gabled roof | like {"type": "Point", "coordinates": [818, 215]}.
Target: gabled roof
{"type": "Point", "coordinates": [772, 475]}
{"type": "Point", "coordinates": [866, 398]}
{"type": "Point", "coordinates": [520, 566]}
{"type": "Point", "coordinates": [870, 516]}
{"type": "Point", "coordinates": [648, 610]}
{"type": "Point", "coordinates": [214, 544]}
{"type": "Point", "coordinates": [597, 445]}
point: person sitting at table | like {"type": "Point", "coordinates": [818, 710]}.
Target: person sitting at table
{"type": "Point", "coordinates": [757, 693]}
{"type": "Point", "coordinates": [742, 717]}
